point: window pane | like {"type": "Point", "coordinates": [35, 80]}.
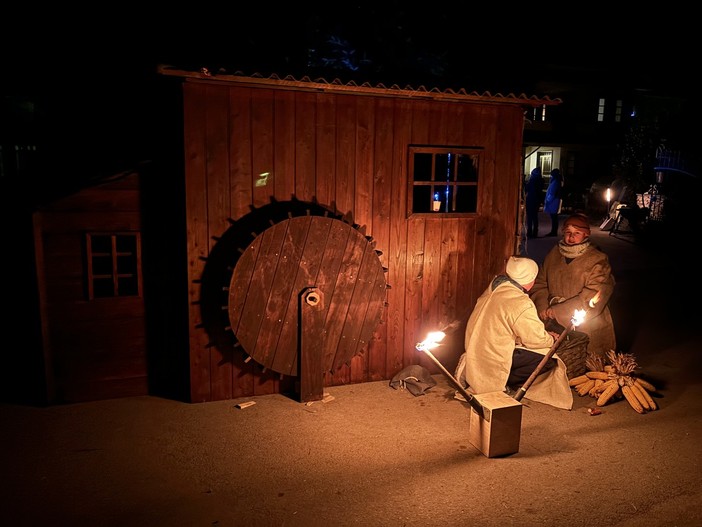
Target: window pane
{"type": "Point", "coordinates": [126, 244]}
{"type": "Point", "coordinates": [443, 170]}
{"type": "Point", "coordinates": [102, 265]}
{"type": "Point", "coordinates": [467, 168]}
{"type": "Point", "coordinates": [101, 244]}
{"type": "Point", "coordinates": [421, 198]}
{"type": "Point", "coordinates": [422, 167]}
{"type": "Point", "coordinates": [466, 199]}
{"type": "Point", "coordinates": [126, 264]}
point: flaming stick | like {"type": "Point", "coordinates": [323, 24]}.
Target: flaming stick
{"type": "Point", "coordinates": [577, 319]}
{"type": "Point", "coordinates": [432, 340]}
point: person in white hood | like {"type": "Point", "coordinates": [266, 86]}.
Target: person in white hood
{"type": "Point", "coordinates": [505, 340]}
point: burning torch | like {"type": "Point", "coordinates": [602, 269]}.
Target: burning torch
{"type": "Point", "coordinates": [432, 340]}
{"type": "Point", "coordinates": [577, 319]}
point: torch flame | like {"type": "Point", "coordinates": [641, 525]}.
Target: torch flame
{"type": "Point", "coordinates": [433, 339]}
{"type": "Point", "coordinates": [595, 299]}
{"type": "Point", "coordinates": [579, 314]}
{"type": "Point", "coordinates": [578, 317]}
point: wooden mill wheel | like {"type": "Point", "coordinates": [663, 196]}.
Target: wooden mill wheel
{"type": "Point", "coordinates": [276, 269]}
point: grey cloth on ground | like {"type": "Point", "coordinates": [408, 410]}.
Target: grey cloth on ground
{"type": "Point", "coordinates": [416, 379]}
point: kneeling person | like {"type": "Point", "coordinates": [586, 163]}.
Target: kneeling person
{"type": "Point", "coordinates": [505, 340]}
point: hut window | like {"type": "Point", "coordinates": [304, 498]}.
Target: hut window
{"type": "Point", "coordinates": [113, 264]}
{"type": "Point", "coordinates": [443, 180]}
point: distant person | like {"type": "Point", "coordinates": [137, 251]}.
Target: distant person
{"type": "Point", "coordinates": [533, 197]}
{"type": "Point", "coordinates": [575, 272]}
{"type": "Point", "coordinates": [505, 341]}
{"type": "Point", "coordinates": [553, 201]}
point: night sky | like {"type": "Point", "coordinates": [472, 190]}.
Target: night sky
{"type": "Point", "coordinates": [91, 75]}
{"type": "Point", "coordinates": [460, 44]}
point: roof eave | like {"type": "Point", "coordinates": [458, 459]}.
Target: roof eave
{"type": "Point", "coordinates": [337, 86]}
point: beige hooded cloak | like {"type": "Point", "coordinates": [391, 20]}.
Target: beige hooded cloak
{"type": "Point", "coordinates": [505, 318]}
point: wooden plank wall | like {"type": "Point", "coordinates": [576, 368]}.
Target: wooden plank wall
{"type": "Point", "coordinates": [245, 146]}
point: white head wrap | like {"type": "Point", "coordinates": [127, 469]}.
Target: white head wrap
{"type": "Point", "coordinates": [521, 269]}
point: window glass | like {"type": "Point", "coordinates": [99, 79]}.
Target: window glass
{"type": "Point", "coordinates": [443, 180]}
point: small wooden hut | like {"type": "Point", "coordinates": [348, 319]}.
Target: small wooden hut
{"type": "Point", "coordinates": [88, 250]}
{"type": "Point", "coordinates": [275, 168]}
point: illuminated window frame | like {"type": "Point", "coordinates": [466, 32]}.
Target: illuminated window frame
{"type": "Point", "coordinates": [600, 110]}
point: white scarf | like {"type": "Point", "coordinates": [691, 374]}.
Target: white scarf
{"type": "Point", "coordinates": [573, 251]}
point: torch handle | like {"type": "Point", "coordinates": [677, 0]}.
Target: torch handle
{"type": "Point", "coordinates": [471, 400]}
{"type": "Point", "coordinates": [520, 393]}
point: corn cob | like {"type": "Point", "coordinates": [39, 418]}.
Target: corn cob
{"type": "Point", "coordinates": [585, 387]}
{"type": "Point", "coordinates": [607, 394]}
{"type": "Point", "coordinates": [651, 403]}
{"type": "Point", "coordinates": [610, 382]}
{"type": "Point", "coordinates": [637, 393]}
{"type": "Point", "coordinates": [595, 390]}
{"type": "Point", "coordinates": [645, 384]}
{"type": "Point", "coordinates": [631, 398]}
{"type": "Point", "coordinates": [597, 375]}
{"type": "Point", "coordinates": [578, 380]}
{"type": "Point", "coordinates": [606, 384]}
{"type": "Point", "coordinates": [599, 386]}
{"type": "Point", "coordinates": [617, 379]}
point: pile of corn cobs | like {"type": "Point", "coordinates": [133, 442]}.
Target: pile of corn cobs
{"type": "Point", "coordinates": [616, 380]}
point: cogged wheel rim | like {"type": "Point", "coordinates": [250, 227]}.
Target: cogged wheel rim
{"type": "Point", "coordinates": [257, 271]}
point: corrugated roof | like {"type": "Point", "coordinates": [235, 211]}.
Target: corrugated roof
{"type": "Point", "coordinates": [366, 88]}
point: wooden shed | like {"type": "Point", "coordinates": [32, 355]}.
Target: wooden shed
{"type": "Point", "coordinates": [88, 251]}
{"type": "Point", "coordinates": [330, 226]}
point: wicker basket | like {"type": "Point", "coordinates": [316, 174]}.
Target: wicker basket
{"type": "Point", "coordinates": [573, 352]}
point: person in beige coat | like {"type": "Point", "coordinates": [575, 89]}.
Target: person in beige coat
{"type": "Point", "coordinates": [575, 274]}
{"type": "Point", "coordinates": [505, 341]}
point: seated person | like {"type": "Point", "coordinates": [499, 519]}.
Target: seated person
{"type": "Point", "coordinates": [505, 341]}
